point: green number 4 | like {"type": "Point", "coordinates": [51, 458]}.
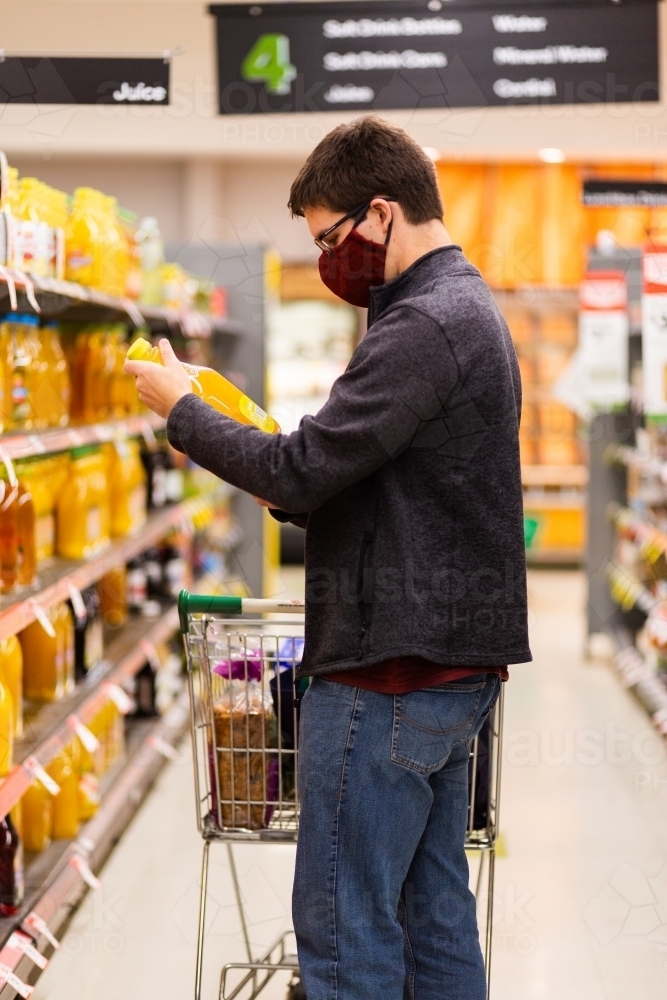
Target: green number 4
{"type": "Point", "coordinates": [268, 62]}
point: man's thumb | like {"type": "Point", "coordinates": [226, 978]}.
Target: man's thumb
{"type": "Point", "coordinates": [167, 351]}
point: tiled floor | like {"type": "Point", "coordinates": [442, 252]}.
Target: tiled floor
{"type": "Point", "coordinates": [581, 908]}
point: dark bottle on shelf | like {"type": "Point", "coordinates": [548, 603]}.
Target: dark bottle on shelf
{"type": "Point", "coordinates": [153, 569]}
{"type": "Point", "coordinates": [154, 461]}
{"type": "Point", "coordinates": [144, 692]}
{"type": "Point", "coordinates": [88, 633]}
{"type": "Point", "coordinates": [12, 883]}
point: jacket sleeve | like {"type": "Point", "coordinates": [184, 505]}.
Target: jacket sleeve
{"type": "Point", "coordinates": [401, 372]}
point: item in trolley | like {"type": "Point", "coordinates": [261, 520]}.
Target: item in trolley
{"type": "Point", "coordinates": [12, 884]}
{"type": "Point", "coordinates": [244, 727]}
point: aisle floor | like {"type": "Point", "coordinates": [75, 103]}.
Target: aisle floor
{"type": "Point", "coordinates": [581, 910]}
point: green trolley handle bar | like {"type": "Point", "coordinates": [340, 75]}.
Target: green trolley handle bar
{"type": "Point", "coordinates": [221, 605]}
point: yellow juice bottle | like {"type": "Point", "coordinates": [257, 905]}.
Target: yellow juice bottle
{"type": "Point", "coordinates": [42, 667]}
{"type": "Point", "coordinates": [84, 239]}
{"type": "Point", "coordinates": [20, 349]}
{"type": "Point", "coordinates": [127, 487]}
{"type": "Point", "coordinates": [27, 550]}
{"type": "Point", "coordinates": [37, 815]}
{"type": "Point", "coordinates": [65, 627]}
{"type": "Point", "coordinates": [213, 388]}
{"type": "Point", "coordinates": [63, 769]}
{"type": "Point", "coordinates": [82, 513]}
{"type": "Point", "coordinates": [112, 593]}
{"type": "Point", "coordinates": [11, 676]}
{"type": "Point", "coordinates": [31, 252]}
{"type": "Point", "coordinates": [6, 730]}
{"type": "Point", "coordinates": [89, 795]}
{"type": "Point", "coordinates": [52, 392]}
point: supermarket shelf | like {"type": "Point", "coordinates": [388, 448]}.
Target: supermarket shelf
{"type": "Point", "coordinates": [66, 300]}
{"type": "Point", "coordinates": [63, 887]}
{"type": "Point", "coordinates": [629, 592]}
{"type": "Point", "coordinates": [59, 575]}
{"type": "Point", "coordinates": [639, 677]}
{"type": "Point", "coordinates": [542, 476]}
{"type": "Point", "coordinates": [652, 541]}
{"type": "Point", "coordinates": [62, 438]}
{"type": "Point", "coordinates": [49, 732]}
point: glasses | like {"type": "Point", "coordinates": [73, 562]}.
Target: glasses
{"type": "Point", "coordinates": [358, 214]}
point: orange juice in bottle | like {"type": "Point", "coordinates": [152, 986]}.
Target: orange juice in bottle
{"type": "Point", "coordinates": [52, 394]}
{"type": "Point", "coordinates": [37, 815]}
{"type": "Point", "coordinates": [20, 350]}
{"type": "Point", "coordinates": [89, 795]}
{"type": "Point", "coordinates": [27, 552]}
{"type": "Point", "coordinates": [127, 487]}
{"type": "Point", "coordinates": [9, 535]}
{"type": "Point", "coordinates": [6, 730]}
{"type": "Point", "coordinates": [112, 592]}
{"type": "Point", "coordinates": [65, 629]}
{"type": "Point", "coordinates": [11, 675]}
{"type": "Point", "coordinates": [84, 239]}
{"type": "Point", "coordinates": [42, 660]}
{"type": "Point", "coordinates": [64, 771]}
{"type": "Point", "coordinates": [82, 517]}
{"type": "Point", "coordinates": [213, 388]}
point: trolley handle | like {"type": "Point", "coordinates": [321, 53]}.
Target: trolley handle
{"type": "Point", "coordinates": [224, 604]}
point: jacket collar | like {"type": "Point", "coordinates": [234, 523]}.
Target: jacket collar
{"type": "Point", "coordinates": [433, 264]}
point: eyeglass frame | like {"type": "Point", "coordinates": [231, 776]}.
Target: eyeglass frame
{"type": "Point", "coordinates": [358, 214]}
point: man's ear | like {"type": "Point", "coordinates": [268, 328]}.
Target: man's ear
{"type": "Point", "coordinates": [383, 212]}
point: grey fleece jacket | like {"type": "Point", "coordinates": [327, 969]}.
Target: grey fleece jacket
{"type": "Point", "coordinates": [407, 481]}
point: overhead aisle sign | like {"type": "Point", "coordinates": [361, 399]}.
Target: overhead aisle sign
{"type": "Point", "coordinates": [394, 54]}
{"type": "Point", "coordinates": [83, 80]}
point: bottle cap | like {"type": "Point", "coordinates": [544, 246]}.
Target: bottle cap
{"type": "Point", "coordinates": [139, 350]}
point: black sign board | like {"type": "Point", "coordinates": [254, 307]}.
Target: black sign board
{"type": "Point", "coordinates": [381, 54]}
{"type": "Point", "coordinates": [83, 80]}
{"type": "Point", "coordinates": [614, 193]}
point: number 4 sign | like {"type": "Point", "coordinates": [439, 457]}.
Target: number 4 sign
{"type": "Point", "coordinates": [268, 62]}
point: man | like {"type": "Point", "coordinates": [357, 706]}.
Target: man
{"type": "Point", "coordinates": [408, 485]}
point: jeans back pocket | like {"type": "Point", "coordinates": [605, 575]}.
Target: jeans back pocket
{"type": "Point", "coordinates": [429, 723]}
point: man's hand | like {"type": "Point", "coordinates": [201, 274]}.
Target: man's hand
{"type": "Point", "coordinates": [160, 388]}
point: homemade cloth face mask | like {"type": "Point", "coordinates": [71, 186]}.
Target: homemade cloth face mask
{"type": "Point", "coordinates": [352, 268]}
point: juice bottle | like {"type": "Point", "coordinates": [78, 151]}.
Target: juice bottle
{"type": "Point", "coordinates": [123, 396]}
{"type": "Point", "coordinates": [52, 392]}
{"type": "Point", "coordinates": [112, 590]}
{"type": "Point", "coordinates": [43, 477]}
{"type": "Point", "coordinates": [151, 250]}
{"type": "Point", "coordinates": [213, 388]}
{"type": "Point", "coordinates": [82, 513]}
{"type": "Point", "coordinates": [65, 630]}
{"type": "Point", "coordinates": [115, 256]}
{"type": "Point", "coordinates": [42, 660]}
{"type": "Point", "coordinates": [20, 350]}
{"type": "Point", "coordinates": [12, 884]}
{"type": "Point", "coordinates": [37, 809]}
{"type": "Point", "coordinates": [89, 795]}
{"type": "Point", "coordinates": [32, 232]}
{"type": "Point", "coordinates": [27, 551]}
{"type": "Point", "coordinates": [127, 487]}
{"type": "Point", "coordinates": [6, 730]}
{"type": "Point", "coordinates": [11, 677]}
{"type": "Point", "coordinates": [9, 536]}
{"type": "Point", "coordinates": [64, 771]}
{"type": "Point", "coordinates": [84, 239]}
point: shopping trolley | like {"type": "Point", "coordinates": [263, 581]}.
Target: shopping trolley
{"type": "Point", "coordinates": [245, 700]}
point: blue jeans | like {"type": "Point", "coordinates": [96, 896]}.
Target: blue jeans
{"type": "Point", "coordinates": [381, 904]}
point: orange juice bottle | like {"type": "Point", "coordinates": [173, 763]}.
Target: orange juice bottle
{"type": "Point", "coordinates": [82, 513]}
{"type": "Point", "coordinates": [52, 392]}
{"type": "Point", "coordinates": [65, 629]}
{"type": "Point", "coordinates": [84, 239]}
{"type": "Point", "coordinates": [20, 350]}
{"type": "Point", "coordinates": [64, 771]}
{"type": "Point", "coordinates": [11, 676]}
{"type": "Point", "coordinates": [127, 487]}
{"type": "Point", "coordinates": [213, 388]}
{"type": "Point", "coordinates": [27, 550]}
{"type": "Point", "coordinates": [112, 592]}
{"type": "Point", "coordinates": [42, 660]}
{"type": "Point", "coordinates": [37, 817]}
{"type": "Point", "coordinates": [6, 730]}
{"type": "Point", "coordinates": [89, 795]}
{"type": "Point", "coordinates": [9, 535]}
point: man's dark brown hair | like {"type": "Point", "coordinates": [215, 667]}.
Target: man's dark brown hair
{"type": "Point", "coordinates": [361, 160]}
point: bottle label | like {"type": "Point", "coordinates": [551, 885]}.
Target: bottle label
{"type": "Point", "coordinates": [93, 524]}
{"type": "Point", "coordinates": [20, 395]}
{"type": "Point", "coordinates": [255, 414]}
{"type": "Point", "coordinates": [77, 258]}
{"type": "Point", "coordinates": [94, 643]}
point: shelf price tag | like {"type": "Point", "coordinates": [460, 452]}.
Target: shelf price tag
{"type": "Point", "coordinates": [7, 976]}
{"type": "Point", "coordinates": [35, 926]}
{"type": "Point", "coordinates": [21, 942]}
{"type": "Point", "coordinates": [166, 749]}
{"type": "Point", "coordinates": [81, 866]}
{"type": "Point", "coordinates": [37, 772]}
{"type": "Point", "coordinates": [89, 740]}
{"type": "Point", "coordinates": [77, 602]}
{"type": "Point", "coordinates": [119, 697]}
{"type": "Point", "coordinates": [43, 619]}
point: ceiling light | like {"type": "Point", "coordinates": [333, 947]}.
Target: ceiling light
{"type": "Point", "coordinates": [432, 153]}
{"type": "Point", "coordinates": [551, 155]}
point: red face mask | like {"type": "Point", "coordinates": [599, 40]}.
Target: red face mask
{"type": "Point", "coordinates": [354, 267]}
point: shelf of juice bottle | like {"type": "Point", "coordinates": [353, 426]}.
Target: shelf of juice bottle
{"type": "Point", "coordinates": [53, 725]}
{"type": "Point", "coordinates": [58, 576]}
{"type": "Point", "coordinates": [629, 592]}
{"type": "Point", "coordinates": [637, 675]}
{"type": "Point", "coordinates": [67, 300]}
{"type": "Point", "coordinates": [63, 438]}
{"type": "Point", "coordinates": [651, 540]}
{"type": "Point", "coordinates": [58, 882]}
